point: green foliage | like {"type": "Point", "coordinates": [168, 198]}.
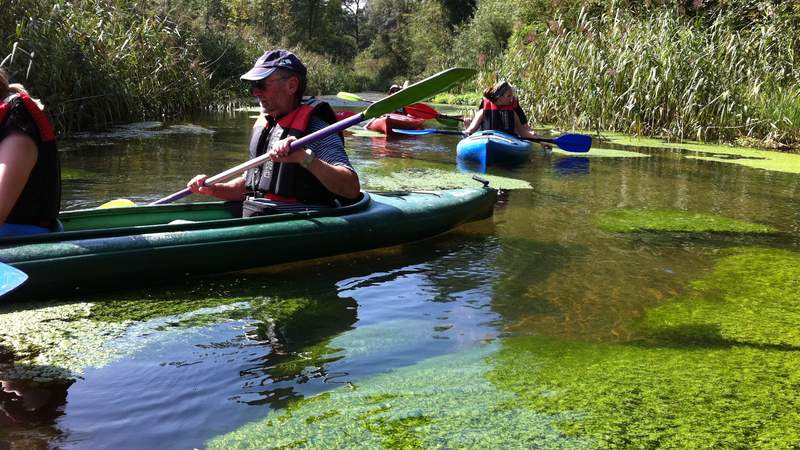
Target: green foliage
{"type": "Point", "coordinates": [471, 99]}
{"type": "Point", "coordinates": [657, 72]}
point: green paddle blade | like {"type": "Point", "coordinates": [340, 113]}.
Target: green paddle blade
{"type": "Point", "coordinates": [350, 97]}
{"type": "Point", "coordinates": [419, 91]}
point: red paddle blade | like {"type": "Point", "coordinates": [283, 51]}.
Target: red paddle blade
{"type": "Point", "coordinates": [421, 111]}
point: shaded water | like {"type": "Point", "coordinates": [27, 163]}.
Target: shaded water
{"type": "Point", "coordinates": [501, 333]}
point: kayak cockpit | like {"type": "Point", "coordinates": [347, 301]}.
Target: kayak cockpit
{"type": "Point", "coordinates": [97, 222]}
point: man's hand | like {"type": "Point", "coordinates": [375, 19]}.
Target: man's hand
{"type": "Point", "coordinates": [198, 185]}
{"type": "Point", "coordinates": [282, 153]}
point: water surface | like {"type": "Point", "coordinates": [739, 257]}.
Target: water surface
{"type": "Point", "coordinates": [539, 327]}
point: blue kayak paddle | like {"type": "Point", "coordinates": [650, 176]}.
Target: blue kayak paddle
{"type": "Point", "coordinates": [578, 143]}
{"type": "Point", "coordinates": [10, 278]}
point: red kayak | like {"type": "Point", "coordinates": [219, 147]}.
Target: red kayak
{"type": "Point", "coordinates": [385, 123]}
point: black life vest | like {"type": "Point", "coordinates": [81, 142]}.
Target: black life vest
{"type": "Point", "coordinates": [499, 118]}
{"type": "Point", "coordinates": [287, 181]}
{"type": "Point", "coordinates": [40, 200]}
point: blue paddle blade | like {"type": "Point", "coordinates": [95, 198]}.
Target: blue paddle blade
{"type": "Point", "coordinates": [579, 143]}
{"type": "Point", "coordinates": [10, 278]}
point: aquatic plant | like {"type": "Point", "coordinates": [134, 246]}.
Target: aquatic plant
{"type": "Point", "coordinates": [715, 369]}
{"type": "Point", "coordinates": [744, 156]}
{"type": "Point", "coordinates": [440, 402]}
{"type": "Point", "coordinates": [626, 220]}
{"type": "Point", "coordinates": [429, 179]}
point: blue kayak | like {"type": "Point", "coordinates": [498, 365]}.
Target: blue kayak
{"type": "Point", "coordinates": [489, 147]}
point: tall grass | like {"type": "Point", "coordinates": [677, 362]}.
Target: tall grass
{"type": "Point", "coordinates": [96, 63]}
{"type": "Point", "coordinates": [660, 74]}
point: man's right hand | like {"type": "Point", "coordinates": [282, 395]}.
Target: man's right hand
{"type": "Point", "coordinates": [198, 185]}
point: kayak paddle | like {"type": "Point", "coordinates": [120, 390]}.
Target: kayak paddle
{"type": "Point", "coordinates": [416, 92]}
{"type": "Point", "coordinates": [419, 110]}
{"type": "Point", "coordinates": [578, 143]}
{"type": "Point", "coordinates": [10, 278]}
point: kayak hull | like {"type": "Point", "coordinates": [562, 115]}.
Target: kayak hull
{"type": "Point", "coordinates": [122, 247]}
{"type": "Point", "coordinates": [491, 147]}
{"type": "Point", "coordinates": [386, 122]}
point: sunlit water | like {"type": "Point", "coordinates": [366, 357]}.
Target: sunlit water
{"type": "Point", "coordinates": [186, 376]}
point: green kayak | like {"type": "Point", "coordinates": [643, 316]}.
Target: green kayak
{"type": "Point", "coordinates": [109, 248]}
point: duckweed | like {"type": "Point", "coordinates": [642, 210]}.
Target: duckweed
{"type": "Point", "coordinates": [632, 220]}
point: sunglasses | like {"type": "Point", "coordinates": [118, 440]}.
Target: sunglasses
{"type": "Point", "coordinates": [263, 83]}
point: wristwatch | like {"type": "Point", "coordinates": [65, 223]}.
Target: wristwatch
{"type": "Point", "coordinates": [306, 163]}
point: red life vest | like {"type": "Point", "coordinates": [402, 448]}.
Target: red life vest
{"type": "Point", "coordinates": [499, 118]}
{"type": "Point", "coordinates": [287, 182]}
{"type": "Point", "coordinates": [39, 202]}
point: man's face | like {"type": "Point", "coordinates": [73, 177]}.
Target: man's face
{"type": "Point", "coordinates": [275, 93]}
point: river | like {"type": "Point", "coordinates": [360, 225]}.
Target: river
{"type": "Point", "coordinates": [549, 325]}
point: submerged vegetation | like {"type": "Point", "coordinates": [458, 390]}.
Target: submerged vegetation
{"type": "Point", "coordinates": [706, 370]}
{"type": "Point", "coordinates": [711, 71]}
{"type": "Point", "coordinates": [632, 220]}
{"type": "Point", "coordinates": [717, 368]}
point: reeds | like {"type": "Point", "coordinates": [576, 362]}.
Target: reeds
{"type": "Point", "coordinates": [97, 63]}
{"type": "Point", "coordinates": [660, 74]}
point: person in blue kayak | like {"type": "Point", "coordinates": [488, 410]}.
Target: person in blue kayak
{"type": "Point", "coordinates": [30, 174]}
{"type": "Point", "coordinates": [500, 111]}
{"type": "Point", "coordinates": [319, 176]}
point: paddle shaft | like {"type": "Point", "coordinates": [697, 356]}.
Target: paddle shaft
{"type": "Point", "coordinates": [255, 162]}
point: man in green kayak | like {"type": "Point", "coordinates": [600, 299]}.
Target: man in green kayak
{"type": "Point", "coordinates": [319, 176]}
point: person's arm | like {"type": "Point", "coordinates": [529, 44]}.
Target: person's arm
{"type": "Point", "coordinates": [18, 155]}
{"type": "Point", "coordinates": [339, 179]}
{"type": "Point", "coordinates": [476, 123]}
{"type": "Point", "coordinates": [232, 190]}
{"type": "Point", "coordinates": [523, 130]}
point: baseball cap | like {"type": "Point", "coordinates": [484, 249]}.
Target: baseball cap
{"type": "Point", "coordinates": [271, 60]}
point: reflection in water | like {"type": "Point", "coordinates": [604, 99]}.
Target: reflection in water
{"type": "Point", "coordinates": [28, 409]}
{"type": "Point", "coordinates": [571, 165]}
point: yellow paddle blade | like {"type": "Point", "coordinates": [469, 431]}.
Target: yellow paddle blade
{"type": "Point", "coordinates": [117, 203]}
{"type": "Point", "coordinates": [349, 96]}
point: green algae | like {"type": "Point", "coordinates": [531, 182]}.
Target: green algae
{"type": "Point", "coordinates": [625, 220]}
{"type": "Point", "coordinates": [603, 153]}
{"type": "Point", "coordinates": [60, 341]}
{"type": "Point", "coordinates": [629, 396]}
{"type": "Point", "coordinates": [411, 179]}
{"type": "Point", "coordinates": [750, 157]}
{"type": "Point", "coordinates": [717, 369]}
{"type": "Point", "coordinates": [442, 402]}
{"type": "Point", "coordinates": [753, 297]}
